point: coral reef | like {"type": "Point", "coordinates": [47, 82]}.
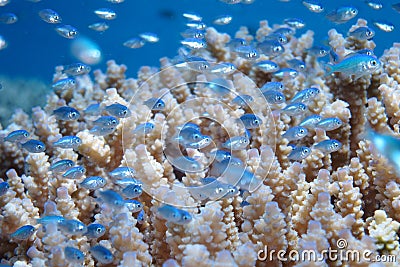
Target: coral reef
{"type": "Point", "coordinates": [350, 196]}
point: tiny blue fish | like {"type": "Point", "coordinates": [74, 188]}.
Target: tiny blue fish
{"type": "Point", "coordinates": [50, 219]}
{"type": "Point", "coordinates": [274, 97]}
{"type": "Point", "coordinates": [189, 125]}
{"type": "Point", "coordinates": [102, 130]}
{"type": "Point", "coordinates": [276, 86]}
{"type": "Point", "coordinates": [212, 189]}
{"type": "Point", "coordinates": [295, 23]}
{"type": "Point", "coordinates": [174, 215]}
{"type": "Point", "coordinates": [314, 6]}
{"type": "Point", "coordinates": [198, 64]}
{"type": "Point", "coordinates": [251, 121]}
{"type": "Point", "coordinates": [74, 255]}
{"type": "Point", "coordinates": [67, 31]}
{"type": "Point", "coordinates": [50, 16]}
{"type": "Point", "coordinates": [74, 173]}
{"type": "Point", "coordinates": [219, 86]}
{"type": "Point", "coordinates": [374, 4]}
{"type": "Point", "coordinates": [186, 164]}
{"type": "Point", "coordinates": [17, 136]}
{"type": "Point", "coordinates": [286, 31]}
{"type": "Point", "coordinates": [133, 205]}
{"type": "Point", "coordinates": [140, 217]}
{"type": "Point", "coordinates": [362, 33]}
{"type": "Point", "coordinates": [270, 48]}
{"type": "Point", "coordinates": [319, 51]}
{"type": "Point", "coordinates": [65, 84]}
{"type": "Point", "coordinates": [105, 13]}
{"type": "Point", "coordinates": [240, 177]}
{"type": "Point", "coordinates": [220, 155]}
{"type": "Point", "coordinates": [188, 135]}
{"type": "Point", "coordinates": [154, 103]}
{"type": "Point", "coordinates": [342, 14]}
{"type": "Point", "coordinates": [310, 121]}
{"type": "Point", "coordinates": [222, 20]}
{"type": "Point", "coordinates": [266, 66]}
{"type": "Point", "coordinates": [194, 43]}
{"type": "Point", "coordinates": [111, 198]}
{"type": "Point", "coordinates": [68, 142]}
{"type": "Point", "coordinates": [144, 128]}
{"type": "Point", "coordinates": [236, 42]}
{"type": "Point", "coordinates": [23, 233]}
{"type": "Point", "coordinates": [99, 26]}
{"type": "Point", "coordinates": [204, 141]}
{"type": "Point", "coordinates": [8, 18]}
{"type": "Point", "coordinates": [306, 95]}
{"type": "Point", "coordinates": [294, 109]}
{"type": "Point", "coordinates": [384, 25]}
{"type": "Point", "coordinates": [102, 254]}
{"type": "Point", "coordinates": [34, 146]}
{"type": "Point", "coordinates": [93, 110]}
{"type": "Point", "coordinates": [192, 16]}
{"type": "Point", "coordinates": [193, 33]}
{"type": "Point", "coordinates": [243, 100]}
{"type": "Point", "coordinates": [218, 168]}
{"type": "Point", "coordinates": [77, 69]}
{"type": "Point", "coordinates": [4, 186]}
{"type": "Point", "coordinates": [93, 182]}
{"type": "Point", "coordinates": [134, 43]}
{"type": "Point", "coordinates": [118, 110]}
{"type": "Point", "coordinates": [128, 181]}
{"type": "Point", "coordinates": [236, 143]}
{"type": "Point", "coordinates": [328, 146]}
{"type": "Point", "coordinates": [66, 113]}
{"type": "Point", "coordinates": [73, 227]}
{"type": "Point", "coordinates": [223, 68]}
{"type": "Point", "coordinates": [329, 124]}
{"type": "Point", "coordinates": [365, 51]}
{"type": "Point", "coordinates": [297, 64]}
{"type": "Point", "coordinates": [299, 153]}
{"type": "Point", "coordinates": [122, 172]}
{"type": "Point", "coordinates": [106, 121]}
{"type": "Point", "coordinates": [357, 65]}
{"type": "Point", "coordinates": [295, 133]}
{"type": "Point", "coordinates": [198, 25]}
{"type": "Point", "coordinates": [132, 191]}
{"type": "Point", "coordinates": [95, 230]}
{"type": "Point", "coordinates": [247, 52]}
{"type": "Point", "coordinates": [61, 165]}
{"type": "Point", "coordinates": [149, 37]}
{"type": "Point", "coordinates": [286, 72]}
{"type": "Point", "coordinates": [281, 38]}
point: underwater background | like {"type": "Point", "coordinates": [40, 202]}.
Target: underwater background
{"type": "Point", "coordinates": [34, 47]}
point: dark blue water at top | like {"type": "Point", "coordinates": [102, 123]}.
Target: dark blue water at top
{"type": "Point", "coordinates": [34, 47]}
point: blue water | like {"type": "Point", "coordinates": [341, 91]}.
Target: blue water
{"type": "Point", "coordinates": [34, 48]}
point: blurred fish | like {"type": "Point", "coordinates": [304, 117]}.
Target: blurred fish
{"type": "Point", "coordinates": [186, 164]}
{"type": "Point", "coordinates": [295, 133]}
{"type": "Point", "coordinates": [212, 189]}
{"type": "Point", "coordinates": [328, 146]}
{"type": "Point", "coordinates": [65, 84]}
{"type": "Point", "coordinates": [8, 18]}
{"type": "Point", "coordinates": [218, 168]}
{"type": "Point", "coordinates": [220, 155]}
{"type": "Point", "coordinates": [34, 146]}
{"type": "Point", "coordinates": [149, 37]}
{"type": "Point", "coordinates": [86, 50]}
{"type": "Point", "coordinates": [396, 7]}
{"type": "Point", "coordinates": [281, 38]}
{"type": "Point", "coordinates": [122, 172]}
{"type": "Point", "coordinates": [144, 128]}
{"type": "Point", "coordinates": [4, 186]}
{"type": "Point", "coordinates": [101, 254]}
{"type": "Point", "coordinates": [236, 42]}
{"type": "Point", "coordinates": [278, 86]}
{"type": "Point", "coordinates": [385, 26]}
{"type": "Point", "coordinates": [240, 177]}
{"type": "Point", "coordinates": [132, 191]}
{"type": "Point", "coordinates": [286, 72]}
{"type": "Point", "coordinates": [193, 33]}
{"type": "Point", "coordinates": [50, 16]}
{"type": "Point", "coordinates": [266, 66]}
{"type": "Point", "coordinates": [95, 230]}
{"type": "Point", "coordinates": [50, 219]}
{"type": "Point", "coordinates": [197, 63]}
{"type": "Point", "coordinates": [319, 51]}
{"type": "Point", "coordinates": [362, 33]}
{"type": "Point", "coordinates": [357, 65]}
{"type": "Point", "coordinates": [155, 104]}
{"type": "Point", "coordinates": [4, 2]}
{"type": "Point", "coordinates": [115, 1]}
{"type": "Point", "coordinates": [274, 97]}
{"type": "Point", "coordinates": [93, 182]}
{"type": "Point", "coordinates": [93, 110]}
{"type": "Point", "coordinates": [236, 143]}
{"type": "Point", "coordinates": [314, 6]}
{"type": "Point", "coordinates": [134, 43]}
{"type": "Point", "coordinates": [106, 121]}
{"type": "Point", "coordinates": [296, 23]}
{"type": "Point", "coordinates": [3, 43]}
{"type": "Point", "coordinates": [66, 113]}
{"type": "Point", "coordinates": [247, 52]}
{"type": "Point", "coordinates": [204, 141]}
{"type": "Point", "coordinates": [73, 255]}
{"type": "Point", "coordinates": [77, 69]}
{"type": "Point", "coordinates": [194, 43]}
{"type": "Point", "coordinates": [251, 121]}
{"type": "Point", "coordinates": [133, 205]}
{"type": "Point", "coordinates": [192, 16]}
{"type": "Point", "coordinates": [310, 121]}
{"type": "Point", "coordinates": [243, 100]}
{"type": "Point", "coordinates": [74, 173]}
{"type": "Point", "coordinates": [67, 31]}
{"type": "Point", "coordinates": [140, 217]}
{"type": "Point", "coordinates": [102, 130]}
{"type": "Point", "coordinates": [285, 31]}
{"type": "Point", "coordinates": [365, 51]}
{"type": "Point", "coordinates": [61, 165]}
{"type": "Point", "coordinates": [222, 20]}
{"type": "Point", "coordinates": [189, 125]}
{"type": "Point", "coordinates": [17, 136]}
{"type": "Point", "coordinates": [128, 181]}
{"type": "Point", "coordinates": [118, 110]}
{"type": "Point", "coordinates": [110, 197]}
{"type": "Point", "coordinates": [196, 25]}
{"type": "Point", "coordinates": [223, 68]}
{"type": "Point", "coordinates": [270, 48]}
{"type": "Point", "coordinates": [105, 13]}
{"type": "Point", "coordinates": [342, 14]}
{"type": "Point", "coordinates": [299, 153]}
{"type": "Point", "coordinates": [99, 26]}
{"type": "Point", "coordinates": [329, 124]}
{"type": "Point", "coordinates": [220, 86]}
{"type": "Point", "coordinates": [174, 215]}
{"type": "Point", "coordinates": [306, 95]}
{"type": "Point", "coordinates": [296, 64]}
{"type": "Point", "coordinates": [231, 2]}
{"type": "Point", "coordinates": [23, 233]}
{"type": "Point", "coordinates": [374, 4]}
{"type": "Point", "coordinates": [294, 109]}
{"type": "Point", "coordinates": [68, 142]}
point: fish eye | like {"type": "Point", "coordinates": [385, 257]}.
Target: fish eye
{"type": "Point", "coordinates": [279, 98]}
{"type": "Point", "coordinates": [373, 62]}
{"type": "Point", "coordinates": [256, 122]}
{"type": "Point", "coordinates": [39, 147]}
{"type": "Point", "coordinates": [301, 131]}
{"type": "Point", "coordinates": [26, 134]}
{"type": "Point", "coordinates": [277, 48]}
{"type": "Point", "coordinates": [354, 11]}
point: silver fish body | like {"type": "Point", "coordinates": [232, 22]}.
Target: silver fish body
{"type": "Point", "coordinates": [93, 182]}
{"type": "Point", "coordinates": [77, 69]}
{"type": "Point", "coordinates": [74, 173]}
{"type": "Point", "coordinates": [329, 124]}
{"type": "Point", "coordinates": [111, 198]}
{"type": "Point", "coordinates": [251, 121]}
{"type": "Point", "coordinates": [236, 143]}
{"type": "Point", "coordinates": [17, 136]}
{"type": "Point", "coordinates": [61, 165]}
{"type": "Point", "coordinates": [23, 233]}
{"type": "Point", "coordinates": [118, 110]}
{"type": "Point", "coordinates": [310, 121]}
{"type": "Point", "coordinates": [155, 104]}
{"type": "Point", "coordinates": [299, 153]}
{"type": "Point", "coordinates": [133, 205]}
{"type": "Point", "coordinates": [101, 254]}
{"type": "Point", "coordinates": [74, 255]}
{"type": "Point", "coordinates": [132, 191]}
{"type": "Point", "coordinates": [328, 146]}
{"type": "Point", "coordinates": [306, 95]}
{"type": "Point", "coordinates": [106, 121]}
{"type": "Point", "coordinates": [95, 230]}
{"type": "Point", "coordinates": [68, 142]}
{"type": "Point", "coordinates": [295, 133]}
{"type": "Point", "coordinates": [50, 16]}
{"type": "Point", "coordinates": [66, 113]}
{"type": "Point", "coordinates": [122, 172]}
{"type": "Point", "coordinates": [67, 31]}
{"type": "Point", "coordinates": [34, 146]}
